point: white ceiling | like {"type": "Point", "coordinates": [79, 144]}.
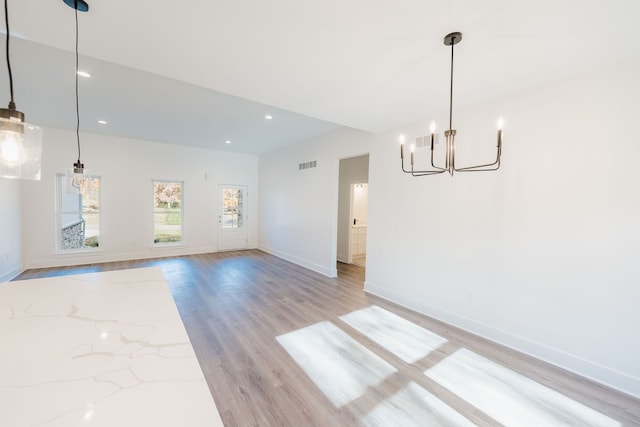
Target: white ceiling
{"type": "Point", "coordinates": [210, 70]}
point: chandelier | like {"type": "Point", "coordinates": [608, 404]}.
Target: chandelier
{"type": "Point", "coordinates": [450, 136]}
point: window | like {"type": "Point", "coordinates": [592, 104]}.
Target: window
{"type": "Point", "coordinates": [78, 215]}
{"type": "Point", "coordinates": [167, 212]}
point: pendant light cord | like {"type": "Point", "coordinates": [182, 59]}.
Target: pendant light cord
{"type": "Point", "coordinates": [12, 105]}
{"type": "Point", "coordinates": [77, 101]}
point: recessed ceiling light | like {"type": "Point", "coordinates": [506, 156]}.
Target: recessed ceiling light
{"type": "Point", "coordinates": [102, 122]}
{"type": "Point", "coordinates": [83, 74]}
{"type": "Point", "coordinates": [268, 117]}
{"type": "Point", "coordinates": [227, 142]}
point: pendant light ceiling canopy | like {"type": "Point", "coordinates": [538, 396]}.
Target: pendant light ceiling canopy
{"type": "Point", "coordinates": [79, 5]}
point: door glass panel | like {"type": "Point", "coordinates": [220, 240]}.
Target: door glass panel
{"type": "Point", "coordinates": [232, 204]}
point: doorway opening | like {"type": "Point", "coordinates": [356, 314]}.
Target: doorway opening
{"type": "Point", "coordinates": [353, 197]}
{"type": "Point", "coordinates": [358, 237]}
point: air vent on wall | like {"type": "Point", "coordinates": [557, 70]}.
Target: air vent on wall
{"type": "Point", "coordinates": [425, 141]}
{"type": "Point", "coordinates": [308, 165]}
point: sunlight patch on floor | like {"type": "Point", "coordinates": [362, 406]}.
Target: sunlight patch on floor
{"type": "Point", "coordinates": [414, 406]}
{"type": "Point", "coordinates": [401, 337]}
{"type": "Point", "coordinates": [344, 370]}
{"type": "Point", "coordinates": [341, 368]}
{"type": "Point", "coordinates": [509, 397]}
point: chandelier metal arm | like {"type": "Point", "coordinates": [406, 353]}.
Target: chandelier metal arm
{"type": "Point", "coordinates": [419, 172]}
{"type": "Point", "coordinates": [489, 166]}
{"type": "Point", "coordinates": [433, 164]}
{"type": "Point", "coordinates": [480, 168]}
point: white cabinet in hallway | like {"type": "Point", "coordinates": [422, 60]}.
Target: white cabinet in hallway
{"type": "Point", "coordinates": [358, 240]}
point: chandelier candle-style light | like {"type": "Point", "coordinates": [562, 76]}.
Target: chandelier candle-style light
{"type": "Point", "coordinates": [450, 136]}
{"type": "Point", "coordinates": [78, 178]}
{"type": "Point", "coordinates": [20, 142]}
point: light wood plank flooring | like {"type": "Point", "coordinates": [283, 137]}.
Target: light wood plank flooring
{"type": "Point", "coordinates": [236, 305]}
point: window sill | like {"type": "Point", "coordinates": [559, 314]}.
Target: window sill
{"type": "Point", "coordinates": [75, 252]}
{"type": "Point", "coordinates": [166, 245]}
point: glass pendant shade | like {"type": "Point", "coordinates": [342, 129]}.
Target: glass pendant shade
{"type": "Point", "coordinates": [20, 142]}
{"type": "Point", "coordinates": [20, 148]}
{"type": "Point", "coordinates": [79, 179]}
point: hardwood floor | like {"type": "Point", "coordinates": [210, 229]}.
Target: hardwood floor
{"type": "Point", "coordinates": [271, 336]}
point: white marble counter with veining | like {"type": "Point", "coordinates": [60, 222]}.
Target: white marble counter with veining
{"type": "Point", "coordinates": [100, 349]}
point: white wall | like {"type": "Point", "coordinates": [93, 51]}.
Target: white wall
{"type": "Point", "coordinates": [11, 261]}
{"type": "Point", "coordinates": [542, 255]}
{"type": "Point", "coordinates": [126, 168]}
{"type": "Point", "coordinates": [298, 208]}
{"type": "Point", "coordinates": [352, 171]}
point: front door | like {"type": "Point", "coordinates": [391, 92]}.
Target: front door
{"type": "Point", "coordinates": [232, 220]}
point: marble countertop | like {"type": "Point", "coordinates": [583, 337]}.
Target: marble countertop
{"type": "Point", "coordinates": [100, 349]}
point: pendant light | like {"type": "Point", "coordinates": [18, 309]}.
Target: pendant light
{"type": "Point", "coordinates": [20, 142]}
{"type": "Point", "coordinates": [450, 136]}
{"type": "Point", "coordinates": [78, 178]}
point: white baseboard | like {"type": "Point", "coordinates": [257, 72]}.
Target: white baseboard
{"type": "Point", "coordinates": [329, 272]}
{"type": "Point", "coordinates": [64, 260]}
{"type": "Point", "coordinates": [602, 374]}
